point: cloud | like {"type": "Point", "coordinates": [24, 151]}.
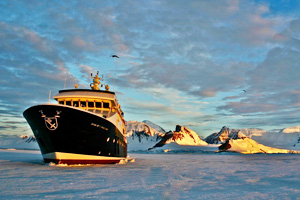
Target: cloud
{"type": "Point", "coordinates": [12, 123]}
{"type": "Point", "coordinates": [273, 85]}
{"type": "Point", "coordinates": [120, 46]}
{"type": "Point", "coordinates": [205, 79]}
{"type": "Point", "coordinates": [156, 109]}
{"type": "Point", "coordinates": [168, 116]}
{"type": "Point", "coordinates": [191, 64]}
{"type": "Point", "coordinates": [169, 107]}
{"type": "Point", "coordinates": [30, 67]}
{"type": "Point", "coordinates": [86, 71]}
{"type": "Point", "coordinates": [206, 51]}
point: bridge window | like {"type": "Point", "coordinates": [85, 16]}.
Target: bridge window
{"type": "Point", "coordinates": [90, 104]}
{"type": "Point", "coordinates": [75, 103]}
{"type": "Point", "coordinates": [61, 102]}
{"type": "Point", "coordinates": [83, 104]}
{"type": "Point", "coordinates": [105, 105]}
{"type": "Point", "coordinates": [98, 104]}
{"type": "Point", "coordinates": [68, 103]}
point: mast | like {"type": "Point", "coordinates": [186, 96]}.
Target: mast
{"type": "Point", "coordinates": [96, 82]}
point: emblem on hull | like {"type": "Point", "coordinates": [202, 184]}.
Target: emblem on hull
{"type": "Point", "coordinates": [51, 122]}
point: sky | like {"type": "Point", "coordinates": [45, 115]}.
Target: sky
{"type": "Point", "coordinates": [200, 64]}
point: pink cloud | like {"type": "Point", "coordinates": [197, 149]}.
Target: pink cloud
{"type": "Point", "coordinates": [247, 107]}
{"type": "Point", "coordinates": [119, 43]}
{"type": "Point", "coordinates": [77, 41]}
{"type": "Point", "coordinates": [233, 6]}
{"type": "Point", "coordinates": [208, 92]}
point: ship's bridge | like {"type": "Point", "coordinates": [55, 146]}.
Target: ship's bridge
{"type": "Point", "coordinates": [100, 102]}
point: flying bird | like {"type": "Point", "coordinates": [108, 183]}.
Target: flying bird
{"type": "Point", "coordinates": [115, 56]}
{"type": "Point", "coordinates": [244, 91]}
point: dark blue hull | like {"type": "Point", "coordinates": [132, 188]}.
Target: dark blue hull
{"type": "Point", "coordinates": [70, 131]}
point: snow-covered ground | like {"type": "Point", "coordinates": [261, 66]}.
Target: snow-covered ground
{"type": "Point", "coordinates": [153, 176]}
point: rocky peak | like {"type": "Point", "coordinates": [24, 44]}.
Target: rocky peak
{"type": "Point", "coordinates": [224, 135]}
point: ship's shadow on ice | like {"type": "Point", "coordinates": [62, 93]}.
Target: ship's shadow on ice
{"type": "Point", "coordinates": [24, 157]}
{"type": "Point", "coordinates": [31, 158]}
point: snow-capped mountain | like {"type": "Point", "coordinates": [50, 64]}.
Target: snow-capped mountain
{"type": "Point", "coordinates": [249, 132]}
{"type": "Point", "coordinates": [143, 128]}
{"type": "Point", "coordinates": [223, 135]}
{"type": "Point", "coordinates": [148, 135]}
{"type": "Point", "coordinates": [141, 135]}
{"type": "Point", "coordinates": [293, 129]}
{"type": "Point", "coordinates": [287, 138]}
{"type": "Point", "coordinates": [185, 136]}
{"type": "Point", "coordinates": [249, 146]}
{"type": "Point", "coordinates": [154, 126]}
{"type": "Point", "coordinates": [18, 142]}
{"type": "Point", "coordinates": [280, 139]}
{"type": "Point", "coordinates": [182, 136]}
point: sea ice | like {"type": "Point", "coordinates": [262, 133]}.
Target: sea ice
{"type": "Point", "coordinates": [153, 176]}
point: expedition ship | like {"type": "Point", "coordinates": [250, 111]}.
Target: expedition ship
{"type": "Point", "coordinates": [86, 126]}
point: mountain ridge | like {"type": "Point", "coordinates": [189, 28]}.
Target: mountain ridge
{"type": "Point", "coordinates": [146, 135]}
